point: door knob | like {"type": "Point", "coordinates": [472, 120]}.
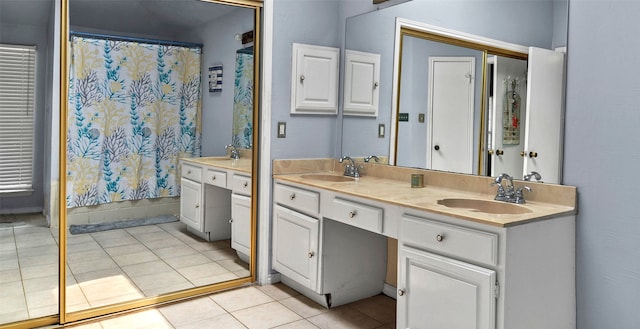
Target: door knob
{"type": "Point", "coordinates": [533, 154]}
{"type": "Point", "coordinates": [490, 151]}
{"type": "Point", "coordinates": [499, 152]}
{"type": "Point", "coordinates": [522, 154]}
{"type": "Point", "coordinates": [437, 147]}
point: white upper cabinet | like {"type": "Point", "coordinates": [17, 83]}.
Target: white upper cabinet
{"type": "Point", "coordinates": [314, 80]}
{"type": "Point", "coordinates": [544, 116]}
{"type": "Point", "coordinates": [361, 83]}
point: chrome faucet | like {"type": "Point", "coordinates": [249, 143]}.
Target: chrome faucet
{"type": "Point", "coordinates": [350, 169]}
{"type": "Point", "coordinates": [375, 158]}
{"type": "Point", "coordinates": [509, 193]}
{"type": "Point", "coordinates": [234, 151]}
{"type": "Point", "coordinates": [533, 174]}
{"type": "Point", "coordinates": [504, 194]}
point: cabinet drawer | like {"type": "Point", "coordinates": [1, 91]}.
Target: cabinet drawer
{"type": "Point", "coordinates": [215, 177]}
{"type": "Point", "coordinates": [451, 240]}
{"type": "Point", "coordinates": [357, 214]}
{"type": "Point", "coordinates": [241, 184]}
{"type": "Point", "coordinates": [298, 199]}
{"type": "Point", "coordinates": [191, 172]}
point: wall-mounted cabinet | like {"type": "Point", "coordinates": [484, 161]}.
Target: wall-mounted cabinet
{"type": "Point", "coordinates": [361, 83]}
{"type": "Point", "coordinates": [314, 80]}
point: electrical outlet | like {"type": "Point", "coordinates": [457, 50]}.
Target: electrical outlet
{"type": "Point", "coordinates": [282, 129]}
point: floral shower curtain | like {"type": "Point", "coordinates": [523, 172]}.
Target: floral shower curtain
{"type": "Point", "coordinates": [243, 99]}
{"type": "Point", "coordinates": [134, 110]}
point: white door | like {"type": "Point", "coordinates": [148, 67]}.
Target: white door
{"type": "Point", "coordinates": [509, 86]}
{"type": "Point", "coordinates": [544, 122]}
{"type": "Point", "coordinates": [241, 223]}
{"type": "Point", "coordinates": [451, 99]}
{"type": "Point", "coordinates": [190, 210]}
{"type": "Point", "coordinates": [295, 246]}
{"type": "Point", "coordinates": [437, 292]}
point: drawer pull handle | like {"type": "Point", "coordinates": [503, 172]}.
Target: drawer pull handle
{"type": "Point", "coordinates": [197, 205]}
{"type": "Point", "coordinates": [292, 196]}
{"type": "Point", "coordinates": [439, 237]}
{"type": "Point", "coordinates": [311, 254]}
{"type": "Point", "coordinates": [400, 292]}
{"type": "Point", "coordinates": [245, 184]}
{"type": "Point", "coordinates": [230, 220]}
{"type": "Point", "coordinates": [352, 213]}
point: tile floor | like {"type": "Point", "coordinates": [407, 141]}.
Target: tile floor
{"type": "Point", "coordinates": [257, 307]}
{"type": "Point", "coordinates": [104, 267]}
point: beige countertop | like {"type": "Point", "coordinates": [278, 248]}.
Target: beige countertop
{"type": "Point", "coordinates": [223, 162]}
{"type": "Point", "coordinates": [554, 200]}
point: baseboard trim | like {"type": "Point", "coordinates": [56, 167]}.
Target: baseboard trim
{"type": "Point", "coordinates": [390, 291]}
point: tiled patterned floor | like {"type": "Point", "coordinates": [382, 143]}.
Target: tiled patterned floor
{"type": "Point", "coordinates": [103, 267]}
{"type": "Point", "coordinates": [258, 307]}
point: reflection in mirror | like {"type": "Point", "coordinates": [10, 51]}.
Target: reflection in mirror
{"type": "Point", "coordinates": [544, 26]}
{"type": "Point", "coordinates": [153, 83]}
{"type": "Point", "coordinates": [28, 241]}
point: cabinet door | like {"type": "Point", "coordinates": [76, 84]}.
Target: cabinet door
{"type": "Point", "coordinates": [439, 292]}
{"type": "Point", "coordinates": [241, 223]}
{"type": "Point", "coordinates": [295, 246]}
{"type": "Point", "coordinates": [361, 82]}
{"type": "Point", "coordinates": [544, 115]}
{"type": "Point", "coordinates": [314, 81]}
{"type": "Point", "coordinates": [190, 210]}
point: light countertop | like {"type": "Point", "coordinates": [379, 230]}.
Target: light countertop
{"type": "Point", "coordinates": [240, 165]}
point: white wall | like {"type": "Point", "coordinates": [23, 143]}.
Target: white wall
{"type": "Point", "coordinates": [601, 159]}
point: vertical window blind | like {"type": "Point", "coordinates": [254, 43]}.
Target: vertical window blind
{"type": "Point", "coordinates": [17, 105]}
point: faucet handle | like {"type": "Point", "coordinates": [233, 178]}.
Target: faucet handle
{"type": "Point", "coordinates": [520, 195]}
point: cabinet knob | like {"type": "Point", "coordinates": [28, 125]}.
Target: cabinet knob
{"type": "Point", "coordinates": [311, 254]}
{"type": "Point", "coordinates": [230, 220]}
{"type": "Point", "coordinates": [301, 78]}
{"type": "Point", "coordinates": [533, 154]}
{"type": "Point", "coordinates": [437, 147]}
{"type": "Point", "coordinates": [375, 85]}
{"type": "Point", "coordinates": [352, 213]}
{"type": "Point", "coordinates": [245, 184]}
{"type": "Point", "coordinates": [292, 196]}
{"type": "Point", "coordinates": [400, 292]}
{"type": "Point", "coordinates": [213, 178]}
{"type": "Point", "coordinates": [197, 205]}
{"type": "Point", "coordinates": [188, 171]}
{"type": "Point", "coordinates": [439, 237]}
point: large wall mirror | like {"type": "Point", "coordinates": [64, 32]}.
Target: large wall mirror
{"type": "Point", "coordinates": [494, 67]}
{"type": "Point", "coordinates": [152, 82]}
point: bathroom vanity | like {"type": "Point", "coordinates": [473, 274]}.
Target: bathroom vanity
{"type": "Point", "coordinates": [215, 201]}
{"type": "Point", "coordinates": [464, 260]}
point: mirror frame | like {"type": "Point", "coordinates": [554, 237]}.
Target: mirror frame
{"type": "Point", "coordinates": [63, 316]}
{"type": "Point", "coordinates": [405, 27]}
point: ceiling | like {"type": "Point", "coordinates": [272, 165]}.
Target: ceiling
{"type": "Point", "coordinates": [144, 17]}
{"type": "Point", "coordinates": [164, 18]}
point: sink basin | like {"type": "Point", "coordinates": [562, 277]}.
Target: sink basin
{"type": "Point", "coordinates": [486, 206]}
{"type": "Point", "coordinates": [328, 178]}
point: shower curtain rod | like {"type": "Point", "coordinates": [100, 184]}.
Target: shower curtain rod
{"type": "Point", "coordinates": [133, 39]}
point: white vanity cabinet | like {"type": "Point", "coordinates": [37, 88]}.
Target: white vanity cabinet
{"type": "Point", "coordinates": [361, 83]}
{"type": "Point", "coordinates": [191, 197]}
{"type": "Point", "coordinates": [326, 250]}
{"type": "Point", "coordinates": [241, 216]}
{"type": "Point", "coordinates": [314, 80]}
{"type": "Point", "coordinates": [454, 274]}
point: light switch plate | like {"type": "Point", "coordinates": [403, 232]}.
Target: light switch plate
{"type": "Point", "coordinates": [282, 129]}
{"type": "Point", "coordinates": [381, 130]}
{"type": "Point", "coordinates": [421, 117]}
